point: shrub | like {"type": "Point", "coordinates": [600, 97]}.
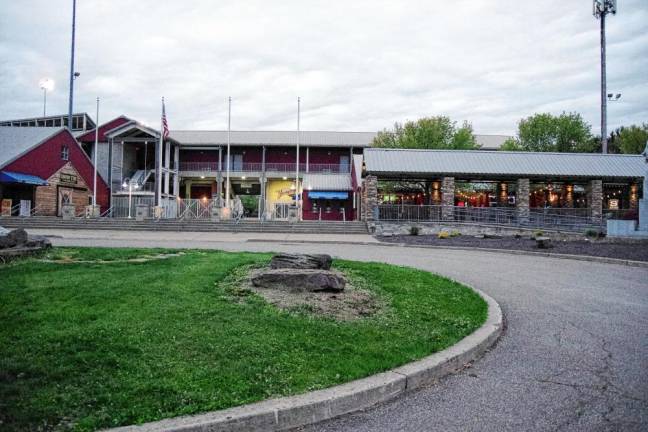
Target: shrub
{"type": "Point", "coordinates": [455, 233]}
{"type": "Point", "coordinates": [414, 230]}
{"type": "Point", "coordinates": [538, 233]}
{"type": "Point", "coordinates": [443, 234]}
{"type": "Point", "coordinates": [594, 233]}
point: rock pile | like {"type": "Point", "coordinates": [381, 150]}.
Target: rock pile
{"type": "Point", "coordinates": [300, 273]}
{"type": "Point", "coordinates": [18, 242]}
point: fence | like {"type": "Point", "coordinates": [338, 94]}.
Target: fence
{"type": "Point", "coordinates": [570, 219]}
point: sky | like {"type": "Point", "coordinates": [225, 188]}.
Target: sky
{"type": "Point", "coordinates": [357, 65]}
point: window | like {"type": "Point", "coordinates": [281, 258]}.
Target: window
{"type": "Point", "coordinates": [65, 152]}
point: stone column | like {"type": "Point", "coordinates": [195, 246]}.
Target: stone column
{"type": "Point", "coordinates": [436, 193]}
{"type": "Point", "coordinates": [370, 198]}
{"type": "Point", "coordinates": [522, 200]}
{"type": "Point", "coordinates": [569, 196]}
{"type": "Point", "coordinates": [447, 198]}
{"type": "Point", "coordinates": [634, 195]}
{"type": "Point", "coordinates": [595, 199]}
{"type": "Point", "coordinates": [502, 194]}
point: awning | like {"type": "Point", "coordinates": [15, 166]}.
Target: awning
{"type": "Point", "coordinates": [328, 195]}
{"type": "Point", "coordinates": [13, 177]}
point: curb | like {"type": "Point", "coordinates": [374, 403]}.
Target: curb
{"type": "Point", "coordinates": [596, 259]}
{"type": "Point", "coordinates": [300, 410]}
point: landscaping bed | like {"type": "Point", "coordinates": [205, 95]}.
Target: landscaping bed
{"type": "Point", "coordinates": [635, 250]}
{"type": "Point", "coordinates": [96, 338]}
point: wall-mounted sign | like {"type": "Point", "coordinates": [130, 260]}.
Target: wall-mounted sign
{"type": "Point", "coordinates": [6, 207]}
{"type": "Point", "coordinates": [68, 178]}
{"type": "Point", "coordinates": [613, 204]}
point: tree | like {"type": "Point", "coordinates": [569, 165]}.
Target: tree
{"type": "Point", "coordinates": [545, 132]}
{"type": "Point", "coordinates": [511, 144]}
{"type": "Point", "coordinates": [632, 139]}
{"type": "Point", "coordinates": [428, 133]}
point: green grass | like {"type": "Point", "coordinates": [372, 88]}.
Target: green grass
{"type": "Point", "coordinates": [95, 345]}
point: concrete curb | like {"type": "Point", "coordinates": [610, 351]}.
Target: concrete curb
{"type": "Point", "coordinates": [595, 259]}
{"type": "Point", "coordinates": [300, 410]}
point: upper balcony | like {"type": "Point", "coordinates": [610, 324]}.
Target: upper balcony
{"type": "Point", "coordinates": [272, 169]}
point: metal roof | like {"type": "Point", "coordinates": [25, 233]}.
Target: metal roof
{"type": "Point", "coordinates": [275, 138]}
{"type": "Point", "coordinates": [14, 177]}
{"type": "Point", "coordinates": [478, 162]}
{"type": "Point", "coordinates": [327, 182]}
{"type": "Point", "coordinates": [14, 141]}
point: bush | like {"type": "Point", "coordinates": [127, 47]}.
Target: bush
{"type": "Point", "coordinates": [593, 233]}
{"type": "Point", "coordinates": [414, 230]}
{"type": "Point", "coordinates": [443, 234]}
{"type": "Point", "coordinates": [538, 233]}
{"type": "Point", "coordinates": [455, 233]}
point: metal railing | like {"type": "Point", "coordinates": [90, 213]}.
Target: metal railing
{"type": "Point", "coordinates": [536, 218]}
{"type": "Point", "coordinates": [269, 166]}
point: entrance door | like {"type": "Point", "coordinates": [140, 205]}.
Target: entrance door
{"type": "Point", "coordinates": [64, 197]}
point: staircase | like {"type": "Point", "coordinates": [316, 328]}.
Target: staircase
{"type": "Point", "coordinates": [303, 227]}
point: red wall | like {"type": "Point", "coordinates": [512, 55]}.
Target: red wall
{"type": "Point", "coordinates": [89, 137]}
{"type": "Point", "coordinates": [199, 156]}
{"type": "Point", "coordinates": [45, 160]}
{"type": "Point", "coordinates": [276, 154]}
{"type": "Point", "coordinates": [322, 156]}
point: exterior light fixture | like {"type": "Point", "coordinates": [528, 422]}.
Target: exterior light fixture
{"type": "Point", "coordinates": [243, 178]}
{"type": "Point", "coordinates": [202, 177]}
{"type": "Point", "coordinates": [285, 178]}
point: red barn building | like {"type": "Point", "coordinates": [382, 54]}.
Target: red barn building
{"type": "Point", "coordinates": [45, 168]}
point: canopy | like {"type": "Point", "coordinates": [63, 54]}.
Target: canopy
{"type": "Point", "coordinates": [13, 177]}
{"type": "Point", "coordinates": [328, 195]}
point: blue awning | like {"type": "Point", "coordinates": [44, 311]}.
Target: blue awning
{"type": "Point", "coordinates": [328, 195]}
{"type": "Point", "coordinates": [13, 177]}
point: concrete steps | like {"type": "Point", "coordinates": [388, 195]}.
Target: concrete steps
{"type": "Point", "coordinates": [305, 227]}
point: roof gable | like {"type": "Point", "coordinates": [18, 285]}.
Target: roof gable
{"type": "Point", "coordinates": [16, 141]}
{"type": "Point", "coordinates": [89, 136]}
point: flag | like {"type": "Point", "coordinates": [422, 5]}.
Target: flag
{"type": "Point", "coordinates": [165, 125]}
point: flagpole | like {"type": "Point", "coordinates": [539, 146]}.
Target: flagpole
{"type": "Point", "coordinates": [158, 161]}
{"type": "Point", "coordinates": [297, 164]}
{"type": "Point", "coordinates": [227, 177]}
{"type": "Point", "coordinates": [94, 159]}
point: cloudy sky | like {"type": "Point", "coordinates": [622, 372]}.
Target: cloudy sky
{"type": "Point", "coordinates": [357, 65]}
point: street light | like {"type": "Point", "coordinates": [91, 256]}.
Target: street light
{"type": "Point", "coordinates": [46, 84]}
{"type": "Point", "coordinates": [601, 9]}
{"type": "Point", "coordinates": [613, 98]}
{"type": "Point", "coordinates": [128, 184]}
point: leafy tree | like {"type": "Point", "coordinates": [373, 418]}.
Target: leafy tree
{"type": "Point", "coordinates": [428, 133]}
{"type": "Point", "coordinates": [511, 144]}
{"type": "Point", "coordinates": [545, 132]}
{"type": "Point", "coordinates": [632, 139]}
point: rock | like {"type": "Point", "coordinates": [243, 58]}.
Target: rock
{"type": "Point", "coordinates": [36, 241]}
{"type": "Point", "coordinates": [301, 261]}
{"type": "Point", "coordinates": [543, 242]}
{"type": "Point", "coordinates": [17, 237]}
{"type": "Point", "coordinates": [300, 280]}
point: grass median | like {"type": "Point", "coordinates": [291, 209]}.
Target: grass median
{"type": "Point", "coordinates": [96, 338]}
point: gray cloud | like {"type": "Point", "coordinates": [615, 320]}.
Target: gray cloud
{"type": "Point", "coordinates": [358, 65]}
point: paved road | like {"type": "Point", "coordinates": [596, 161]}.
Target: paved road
{"type": "Point", "coordinates": [574, 356]}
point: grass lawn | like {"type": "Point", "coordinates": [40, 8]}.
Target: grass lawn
{"type": "Point", "coordinates": [89, 339]}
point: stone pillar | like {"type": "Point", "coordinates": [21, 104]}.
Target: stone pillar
{"type": "Point", "coordinates": [187, 189]}
{"type": "Point", "coordinates": [502, 194]}
{"type": "Point", "coordinates": [522, 200]}
{"type": "Point", "coordinates": [436, 193]}
{"type": "Point", "coordinates": [447, 198]}
{"type": "Point", "coordinates": [595, 199]}
{"type": "Point", "coordinates": [370, 198]}
{"type": "Point", "coordinates": [568, 196]}
{"type": "Point", "coordinates": [634, 195]}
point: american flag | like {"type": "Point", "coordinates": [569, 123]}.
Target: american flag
{"type": "Point", "coordinates": [165, 125]}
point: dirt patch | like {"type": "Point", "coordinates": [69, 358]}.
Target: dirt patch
{"type": "Point", "coordinates": [355, 302]}
{"type": "Point", "coordinates": [66, 259]}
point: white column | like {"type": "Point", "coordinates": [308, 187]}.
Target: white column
{"type": "Point", "coordinates": [176, 166]}
{"type": "Point", "coordinates": [167, 163]}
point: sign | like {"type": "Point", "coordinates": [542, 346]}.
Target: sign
{"type": "Point", "coordinates": [613, 204]}
{"type": "Point", "coordinates": [6, 207]}
{"type": "Point", "coordinates": [68, 178]}
{"type": "Point", "coordinates": [25, 208]}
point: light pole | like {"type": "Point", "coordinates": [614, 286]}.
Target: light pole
{"type": "Point", "coordinates": [73, 74]}
{"type": "Point", "coordinates": [129, 184]}
{"type": "Point", "coordinates": [601, 9]}
{"type": "Point", "coordinates": [46, 84]}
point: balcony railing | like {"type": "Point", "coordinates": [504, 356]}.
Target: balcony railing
{"type": "Point", "coordinates": [269, 167]}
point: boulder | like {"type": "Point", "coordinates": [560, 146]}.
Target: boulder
{"type": "Point", "coordinates": [17, 237]}
{"type": "Point", "coordinates": [543, 242]}
{"type": "Point", "coordinates": [301, 261]}
{"type": "Point", "coordinates": [300, 280]}
{"type": "Point", "coordinates": [36, 241]}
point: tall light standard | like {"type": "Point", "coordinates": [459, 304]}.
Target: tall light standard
{"type": "Point", "coordinates": [73, 74]}
{"type": "Point", "coordinates": [46, 84]}
{"type": "Point", "coordinates": [297, 164]}
{"type": "Point", "coordinates": [129, 184]}
{"type": "Point", "coordinates": [601, 9]}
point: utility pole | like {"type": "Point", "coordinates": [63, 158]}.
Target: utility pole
{"type": "Point", "coordinates": [72, 74]}
{"type": "Point", "coordinates": [601, 9]}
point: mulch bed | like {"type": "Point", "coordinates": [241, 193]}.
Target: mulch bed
{"type": "Point", "coordinates": [636, 251]}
